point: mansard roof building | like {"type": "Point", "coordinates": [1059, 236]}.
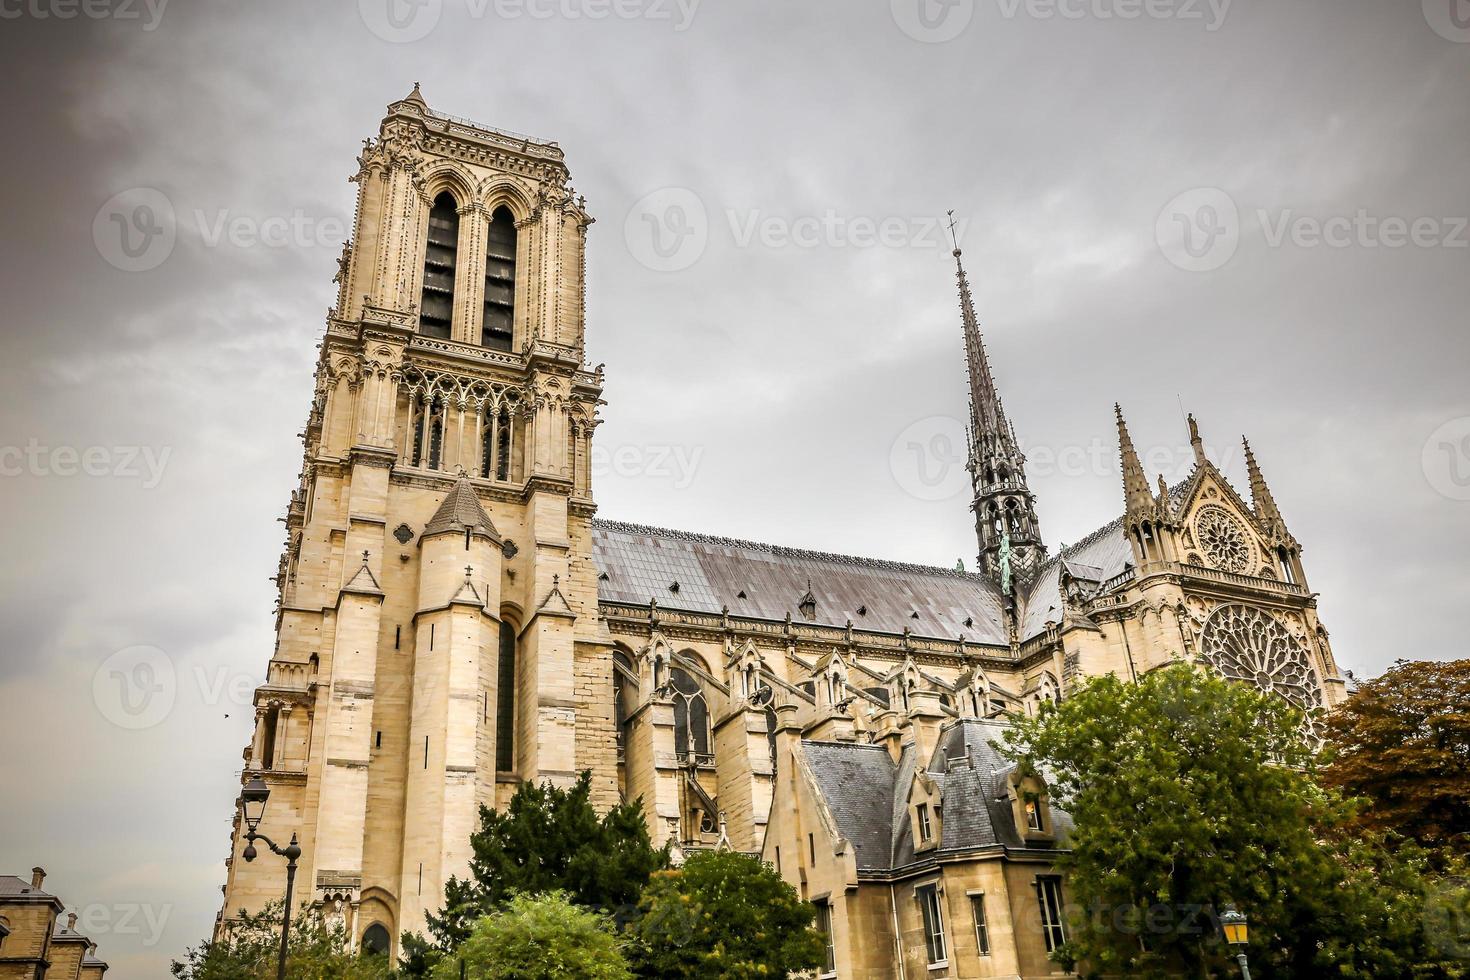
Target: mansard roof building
{"type": "Point", "coordinates": [454, 620]}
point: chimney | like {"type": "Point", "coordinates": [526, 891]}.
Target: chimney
{"type": "Point", "coordinates": [926, 716]}
{"type": "Point", "coordinates": [38, 876]}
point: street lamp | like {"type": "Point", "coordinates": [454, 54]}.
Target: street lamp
{"type": "Point", "coordinates": [252, 803]}
{"type": "Point", "coordinates": [1236, 928]}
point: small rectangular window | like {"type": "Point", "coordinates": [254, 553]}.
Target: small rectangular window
{"type": "Point", "coordinates": [933, 913]}
{"type": "Point", "coordinates": [811, 845]}
{"type": "Point", "coordinates": [1053, 930]}
{"type": "Point", "coordinates": [824, 926]}
{"type": "Point", "coordinates": [925, 830]}
{"type": "Point", "coordinates": [1033, 815]}
{"type": "Point", "coordinates": [378, 741]}
{"type": "Point", "coordinates": [982, 929]}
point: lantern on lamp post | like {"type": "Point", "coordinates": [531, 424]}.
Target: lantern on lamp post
{"type": "Point", "coordinates": [252, 804]}
{"type": "Point", "coordinates": [1237, 930]}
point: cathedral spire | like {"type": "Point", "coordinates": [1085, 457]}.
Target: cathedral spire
{"type": "Point", "coordinates": [1005, 509]}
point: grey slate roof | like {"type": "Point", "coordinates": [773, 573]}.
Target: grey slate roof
{"type": "Point", "coordinates": [12, 888]}
{"type": "Point", "coordinates": [641, 563]}
{"type": "Point", "coordinates": [857, 783]}
{"type": "Point", "coordinates": [461, 510]}
{"type": "Point", "coordinates": [868, 794]}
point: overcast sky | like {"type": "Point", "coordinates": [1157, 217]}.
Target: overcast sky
{"type": "Point", "coordinates": [784, 361]}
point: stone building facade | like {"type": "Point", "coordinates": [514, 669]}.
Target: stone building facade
{"type": "Point", "coordinates": [36, 943]}
{"type": "Point", "coordinates": [453, 620]}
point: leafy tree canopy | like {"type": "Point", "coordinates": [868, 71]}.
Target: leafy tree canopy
{"type": "Point", "coordinates": [249, 950]}
{"type": "Point", "coordinates": [1190, 792]}
{"type": "Point", "coordinates": [723, 916]}
{"type": "Point", "coordinates": [538, 937]}
{"type": "Point", "coordinates": [1402, 744]}
{"type": "Point", "coordinates": [548, 839]}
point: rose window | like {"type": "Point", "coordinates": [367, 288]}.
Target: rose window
{"type": "Point", "coordinates": [1223, 539]}
{"type": "Point", "coordinates": [1245, 644]}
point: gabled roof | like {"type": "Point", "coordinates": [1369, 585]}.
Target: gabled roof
{"type": "Point", "coordinates": [867, 793]}
{"type": "Point", "coordinates": [642, 563]}
{"type": "Point", "coordinates": [460, 511]}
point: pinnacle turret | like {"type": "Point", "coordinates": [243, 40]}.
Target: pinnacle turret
{"type": "Point", "coordinates": [1261, 497]}
{"type": "Point", "coordinates": [1136, 494]}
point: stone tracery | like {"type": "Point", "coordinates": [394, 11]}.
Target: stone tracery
{"type": "Point", "coordinates": [1223, 538]}
{"type": "Point", "coordinates": [1247, 644]}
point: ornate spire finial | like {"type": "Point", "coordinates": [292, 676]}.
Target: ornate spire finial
{"type": "Point", "coordinates": [468, 571]}
{"type": "Point", "coordinates": [365, 557]}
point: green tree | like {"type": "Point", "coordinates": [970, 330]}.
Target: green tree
{"type": "Point", "coordinates": [538, 937]}
{"type": "Point", "coordinates": [248, 951]}
{"type": "Point", "coordinates": [723, 916]}
{"type": "Point", "coordinates": [548, 839]}
{"type": "Point", "coordinates": [1401, 743]}
{"type": "Point", "coordinates": [1189, 792]}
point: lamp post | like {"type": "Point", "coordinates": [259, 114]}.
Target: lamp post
{"type": "Point", "coordinates": [1236, 928]}
{"type": "Point", "coordinates": [252, 801]}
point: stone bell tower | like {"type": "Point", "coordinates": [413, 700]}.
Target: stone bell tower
{"type": "Point", "coordinates": [437, 637]}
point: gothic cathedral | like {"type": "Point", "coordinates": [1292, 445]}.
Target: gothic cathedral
{"type": "Point", "coordinates": [453, 620]}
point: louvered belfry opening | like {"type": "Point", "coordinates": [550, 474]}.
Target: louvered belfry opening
{"type": "Point", "coordinates": [436, 307]}
{"type": "Point", "coordinates": [500, 281]}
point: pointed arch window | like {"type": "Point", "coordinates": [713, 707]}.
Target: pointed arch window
{"type": "Point", "coordinates": [1288, 574]}
{"type": "Point", "coordinates": [498, 327]}
{"type": "Point", "coordinates": [505, 699]}
{"type": "Point", "coordinates": [428, 433]}
{"type": "Point", "coordinates": [691, 717]}
{"type": "Point", "coordinates": [436, 305]}
{"type": "Point", "coordinates": [625, 686]}
{"type": "Point", "coordinates": [495, 443]}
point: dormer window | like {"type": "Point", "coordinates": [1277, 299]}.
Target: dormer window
{"type": "Point", "coordinates": [921, 821]}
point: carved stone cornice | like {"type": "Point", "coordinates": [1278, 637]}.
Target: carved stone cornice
{"type": "Point", "coordinates": [377, 456]}
{"type": "Point", "coordinates": [813, 640]}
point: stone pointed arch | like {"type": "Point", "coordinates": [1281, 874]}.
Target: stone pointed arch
{"type": "Point", "coordinates": [506, 189]}
{"type": "Point", "coordinates": [446, 175]}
